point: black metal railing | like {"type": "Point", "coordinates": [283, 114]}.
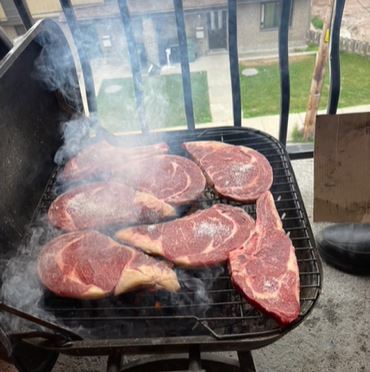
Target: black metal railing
{"type": "Point", "coordinates": [335, 58]}
{"type": "Point", "coordinates": [5, 43]}
{"type": "Point", "coordinates": [234, 62]}
{"type": "Point", "coordinates": [85, 64]}
{"type": "Point", "coordinates": [134, 61]}
{"type": "Point", "coordinates": [284, 69]}
{"type": "Point", "coordinates": [185, 68]}
{"type": "Point", "coordinates": [184, 58]}
{"type": "Point", "coordinates": [24, 13]}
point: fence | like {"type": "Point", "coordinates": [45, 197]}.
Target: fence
{"type": "Point", "coordinates": [345, 44]}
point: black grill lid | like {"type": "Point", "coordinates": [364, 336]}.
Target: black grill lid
{"type": "Point", "coordinates": [29, 127]}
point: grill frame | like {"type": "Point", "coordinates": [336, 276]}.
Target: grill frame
{"type": "Point", "coordinates": [72, 343]}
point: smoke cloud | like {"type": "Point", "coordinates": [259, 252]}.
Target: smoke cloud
{"type": "Point", "coordinates": [21, 286]}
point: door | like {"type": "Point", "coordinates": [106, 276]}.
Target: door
{"type": "Point", "coordinates": [217, 29]}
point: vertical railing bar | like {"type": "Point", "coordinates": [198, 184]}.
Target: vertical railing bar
{"type": "Point", "coordinates": [334, 90]}
{"type": "Point", "coordinates": [24, 13]}
{"type": "Point", "coordinates": [284, 69]}
{"type": "Point", "coordinates": [85, 64]}
{"type": "Point", "coordinates": [234, 62]}
{"type": "Point", "coordinates": [134, 62]}
{"type": "Point", "coordinates": [185, 69]}
{"type": "Point", "coordinates": [5, 43]}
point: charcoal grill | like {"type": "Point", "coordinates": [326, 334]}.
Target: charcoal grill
{"type": "Point", "coordinates": [217, 320]}
{"type": "Point", "coordinates": [220, 319]}
{"type": "Point", "coordinates": [221, 314]}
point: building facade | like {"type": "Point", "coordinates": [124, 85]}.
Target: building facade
{"type": "Point", "coordinates": [155, 29]}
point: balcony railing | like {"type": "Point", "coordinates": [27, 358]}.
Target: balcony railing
{"type": "Point", "coordinates": [283, 44]}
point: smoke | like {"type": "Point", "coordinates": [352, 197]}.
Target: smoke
{"type": "Point", "coordinates": [75, 137]}
{"type": "Point", "coordinates": [197, 285]}
{"type": "Point", "coordinates": [54, 67]}
{"type": "Point", "coordinates": [21, 287]}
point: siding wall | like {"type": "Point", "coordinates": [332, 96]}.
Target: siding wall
{"type": "Point", "coordinates": [159, 29]}
{"type": "Point", "coordinates": [252, 38]}
{"type": "Point", "coordinates": [2, 14]}
{"type": "Point", "coordinates": [114, 29]}
{"type": "Point", "coordinates": [192, 21]}
{"type": "Point", "coordinates": [43, 7]}
{"type": "Point", "coordinates": [10, 31]}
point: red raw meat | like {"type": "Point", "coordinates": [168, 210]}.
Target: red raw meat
{"type": "Point", "coordinates": [265, 270]}
{"type": "Point", "coordinates": [97, 158]}
{"type": "Point", "coordinates": [99, 205]}
{"type": "Point", "coordinates": [202, 239]}
{"type": "Point", "coordinates": [236, 172]}
{"type": "Point", "coordinates": [90, 265]}
{"type": "Point", "coordinates": [174, 179]}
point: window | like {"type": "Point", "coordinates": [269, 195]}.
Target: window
{"type": "Point", "coordinates": [270, 14]}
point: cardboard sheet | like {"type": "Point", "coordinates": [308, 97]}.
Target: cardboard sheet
{"type": "Point", "coordinates": [342, 168]}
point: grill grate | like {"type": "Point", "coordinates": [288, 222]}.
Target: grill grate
{"type": "Point", "coordinates": [207, 303]}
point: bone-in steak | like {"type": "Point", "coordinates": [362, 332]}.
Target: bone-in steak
{"type": "Point", "coordinates": [173, 179]}
{"type": "Point", "coordinates": [90, 265]}
{"type": "Point", "coordinates": [265, 270]}
{"type": "Point", "coordinates": [98, 205]}
{"type": "Point", "coordinates": [236, 172]}
{"type": "Point", "coordinates": [202, 239]}
{"type": "Point", "coordinates": [99, 157]}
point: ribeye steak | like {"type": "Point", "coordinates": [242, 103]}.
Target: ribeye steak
{"type": "Point", "coordinates": [97, 158]}
{"type": "Point", "coordinates": [265, 270]}
{"type": "Point", "coordinates": [90, 265]}
{"type": "Point", "coordinates": [202, 239]}
{"type": "Point", "coordinates": [236, 172]}
{"type": "Point", "coordinates": [98, 205]}
{"type": "Point", "coordinates": [173, 179]}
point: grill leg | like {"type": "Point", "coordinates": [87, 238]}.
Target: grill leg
{"type": "Point", "coordinates": [246, 361]}
{"type": "Point", "coordinates": [194, 358]}
{"type": "Point", "coordinates": [28, 358]}
{"type": "Point", "coordinates": [114, 362]}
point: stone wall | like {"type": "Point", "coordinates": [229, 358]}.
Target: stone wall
{"type": "Point", "coordinates": [345, 44]}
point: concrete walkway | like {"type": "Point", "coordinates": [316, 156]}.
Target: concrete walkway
{"type": "Point", "coordinates": [219, 85]}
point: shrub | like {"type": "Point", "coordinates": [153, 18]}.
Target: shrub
{"type": "Point", "coordinates": [298, 135]}
{"type": "Point", "coordinates": [317, 22]}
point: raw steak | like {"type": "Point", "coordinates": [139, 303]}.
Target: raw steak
{"type": "Point", "coordinates": [265, 269]}
{"type": "Point", "coordinates": [202, 239]}
{"type": "Point", "coordinates": [102, 204]}
{"type": "Point", "coordinates": [236, 172]}
{"type": "Point", "coordinates": [90, 265]}
{"type": "Point", "coordinates": [98, 157]}
{"type": "Point", "coordinates": [174, 179]}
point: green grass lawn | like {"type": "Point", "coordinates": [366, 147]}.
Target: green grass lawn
{"type": "Point", "coordinates": [163, 101]}
{"type": "Point", "coordinates": [261, 93]}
